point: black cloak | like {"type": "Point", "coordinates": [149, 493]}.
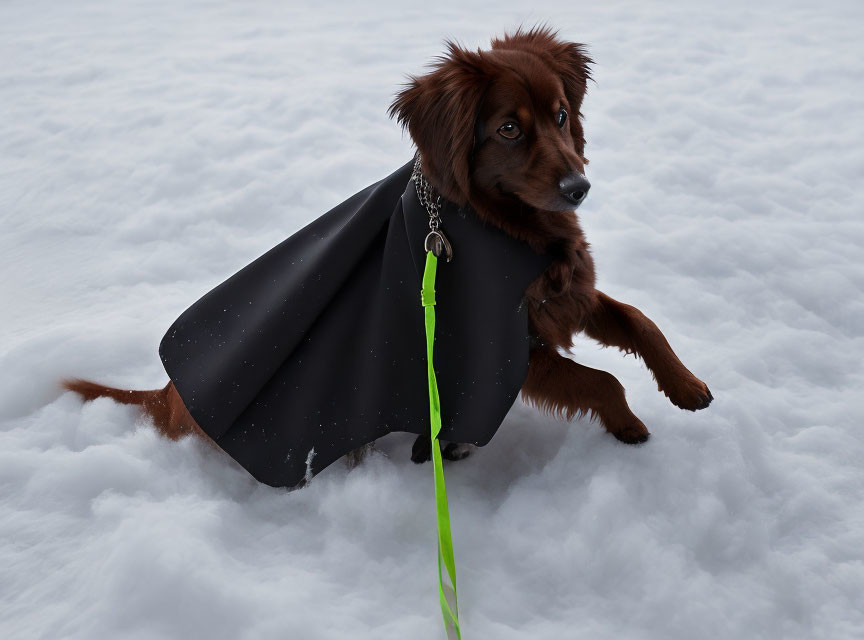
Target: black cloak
{"type": "Point", "coordinates": [318, 346]}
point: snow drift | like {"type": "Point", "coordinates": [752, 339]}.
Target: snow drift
{"type": "Point", "coordinates": [148, 150]}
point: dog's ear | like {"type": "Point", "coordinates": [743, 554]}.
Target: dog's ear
{"type": "Point", "coordinates": [439, 110]}
{"type": "Point", "coordinates": [568, 59]}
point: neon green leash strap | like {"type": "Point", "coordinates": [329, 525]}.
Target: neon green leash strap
{"type": "Point", "coordinates": [445, 540]}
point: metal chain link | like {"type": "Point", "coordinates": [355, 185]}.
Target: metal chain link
{"type": "Point", "coordinates": [429, 198]}
{"type": "Point", "coordinates": [435, 241]}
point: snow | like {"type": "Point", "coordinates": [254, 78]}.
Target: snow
{"type": "Point", "coordinates": [150, 149]}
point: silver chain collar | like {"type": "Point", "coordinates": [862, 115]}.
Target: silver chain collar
{"type": "Point", "coordinates": [429, 198]}
{"type": "Point", "coordinates": [436, 241]}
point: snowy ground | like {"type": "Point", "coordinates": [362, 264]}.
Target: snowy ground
{"type": "Point", "coordinates": [149, 150]}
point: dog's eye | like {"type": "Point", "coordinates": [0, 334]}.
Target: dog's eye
{"type": "Point", "coordinates": [510, 130]}
{"type": "Point", "coordinates": [562, 117]}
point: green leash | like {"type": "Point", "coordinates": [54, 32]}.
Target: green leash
{"type": "Point", "coordinates": [445, 540]}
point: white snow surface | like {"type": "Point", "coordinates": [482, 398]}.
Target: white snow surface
{"type": "Point", "coordinates": [148, 150]}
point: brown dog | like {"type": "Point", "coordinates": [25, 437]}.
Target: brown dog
{"type": "Point", "coordinates": [501, 131]}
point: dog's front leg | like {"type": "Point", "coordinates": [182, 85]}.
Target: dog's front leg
{"type": "Point", "coordinates": [562, 387]}
{"type": "Point", "coordinates": [616, 324]}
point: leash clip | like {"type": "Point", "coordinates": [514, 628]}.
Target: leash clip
{"type": "Point", "coordinates": [438, 244]}
{"type": "Point", "coordinates": [435, 241]}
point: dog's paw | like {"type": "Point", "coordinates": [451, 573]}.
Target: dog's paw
{"type": "Point", "coordinates": [422, 450]}
{"type": "Point", "coordinates": [633, 433]}
{"type": "Point", "coordinates": [457, 450]}
{"type": "Point", "coordinates": [691, 394]}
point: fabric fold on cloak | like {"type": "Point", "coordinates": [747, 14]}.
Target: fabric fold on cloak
{"type": "Point", "coordinates": [318, 347]}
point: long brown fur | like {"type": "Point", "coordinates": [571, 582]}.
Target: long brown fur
{"type": "Point", "coordinates": [454, 114]}
{"type": "Point", "coordinates": [164, 406]}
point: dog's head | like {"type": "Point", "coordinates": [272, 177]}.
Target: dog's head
{"type": "Point", "coordinates": [502, 126]}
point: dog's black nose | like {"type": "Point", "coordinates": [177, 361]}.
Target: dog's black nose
{"type": "Point", "coordinates": [574, 188]}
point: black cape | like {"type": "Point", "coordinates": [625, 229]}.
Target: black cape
{"type": "Point", "coordinates": [318, 346]}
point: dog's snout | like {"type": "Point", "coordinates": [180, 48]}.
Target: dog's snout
{"type": "Point", "coordinates": [574, 188]}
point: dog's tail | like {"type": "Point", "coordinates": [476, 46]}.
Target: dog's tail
{"type": "Point", "coordinates": [155, 402]}
{"type": "Point", "coordinates": [164, 406]}
{"type": "Point", "coordinates": [90, 391]}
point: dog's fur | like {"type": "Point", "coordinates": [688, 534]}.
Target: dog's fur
{"type": "Point", "coordinates": [458, 115]}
